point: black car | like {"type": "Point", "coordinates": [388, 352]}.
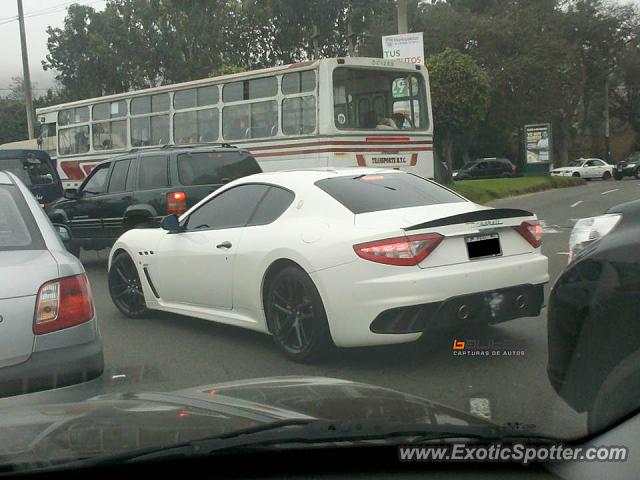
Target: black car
{"type": "Point", "coordinates": [36, 170]}
{"type": "Point", "coordinates": [486, 168]}
{"type": "Point", "coordinates": [593, 322]}
{"type": "Point", "coordinates": [630, 167]}
{"type": "Point", "coordinates": [136, 190]}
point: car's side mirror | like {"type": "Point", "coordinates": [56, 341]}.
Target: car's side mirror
{"type": "Point", "coordinates": [171, 223]}
{"type": "Point", "coordinates": [72, 194]}
{"type": "Point", "coordinates": [63, 232]}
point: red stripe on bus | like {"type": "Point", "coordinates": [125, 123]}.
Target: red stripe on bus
{"type": "Point", "coordinates": [345, 150]}
{"type": "Point", "coordinates": [332, 142]}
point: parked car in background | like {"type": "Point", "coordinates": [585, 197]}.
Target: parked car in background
{"type": "Point", "coordinates": [36, 170]}
{"type": "Point", "coordinates": [48, 328]}
{"type": "Point", "coordinates": [486, 168]}
{"type": "Point", "coordinates": [629, 167]}
{"type": "Point", "coordinates": [136, 190]}
{"type": "Point", "coordinates": [593, 323]}
{"type": "Point", "coordinates": [351, 257]}
{"type": "Point", "coordinates": [587, 168]}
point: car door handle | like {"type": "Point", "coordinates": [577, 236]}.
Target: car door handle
{"type": "Point", "coordinates": [224, 245]}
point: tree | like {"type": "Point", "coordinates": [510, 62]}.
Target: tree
{"type": "Point", "coordinates": [460, 96]}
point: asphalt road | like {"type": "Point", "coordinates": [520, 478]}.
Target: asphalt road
{"type": "Point", "coordinates": [168, 352]}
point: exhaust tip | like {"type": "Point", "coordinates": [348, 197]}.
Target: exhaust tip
{"type": "Point", "coordinates": [521, 302]}
{"type": "Point", "coordinates": [464, 312]}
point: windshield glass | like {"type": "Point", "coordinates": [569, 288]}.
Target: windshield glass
{"type": "Point", "coordinates": [377, 99]}
{"type": "Point", "coordinates": [214, 167]}
{"type": "Point", "coordinates": [376, 192]}
{"type": "Point", "coordinates": [31, 170]}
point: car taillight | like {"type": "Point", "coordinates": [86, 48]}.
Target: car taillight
{"type": "Point", "coordinates": [176, 203]}
{"type": "Point", "coordinates": [63, 303]}
{"type": "Point", "coordinates": [409, 250]}
{"type": "Point", "coordinates": [531, 231]}
{"type": "Point", "coordinates": [513, 170]}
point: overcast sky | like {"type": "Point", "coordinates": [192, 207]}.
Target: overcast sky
{"type": "Point", "coordinates": [39, 14]}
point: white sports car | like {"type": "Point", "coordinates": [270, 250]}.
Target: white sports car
{"type": "Point", "coordinates": [325, 257]}
{"type": "Point", "coordinates": [586, 168]}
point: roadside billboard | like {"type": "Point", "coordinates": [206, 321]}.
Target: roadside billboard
{"type": "Point", "coordinates": [406, 47]}
{"type": "Point", "coordinates": [538, 145]}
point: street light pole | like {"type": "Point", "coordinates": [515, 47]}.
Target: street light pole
{"type": "Point", "coordinates": [403, 21]}
{"type": "Point", "coordinates": [25, 70]}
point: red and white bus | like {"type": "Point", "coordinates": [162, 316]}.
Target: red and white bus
{"type": "Point", "coordinates": [329, 112]}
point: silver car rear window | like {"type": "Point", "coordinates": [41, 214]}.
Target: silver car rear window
{"type": "Point", "coordinates": [18, 230]}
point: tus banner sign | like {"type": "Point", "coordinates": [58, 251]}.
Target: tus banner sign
{"type": "Point", "coordinates": [406, 47]}
{"type": "Point", "coordinates": [537, 140]}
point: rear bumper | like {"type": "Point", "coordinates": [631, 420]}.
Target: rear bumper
{"type": "Point", "coordinates": [489, 307]}
{"type": "Point", "coordinates": [355, 294]}
{"type": "Point", "coordinates": [54, 368]}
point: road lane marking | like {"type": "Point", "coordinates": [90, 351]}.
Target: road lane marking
{"type": "Point", "coordinates": [546, 228]}
{"type": "Point", "coordinates": [577, 203]}
{"type": "Point", "coordinates": [609, 191]}
{"type": "Point", "coordinates": [562, 253]}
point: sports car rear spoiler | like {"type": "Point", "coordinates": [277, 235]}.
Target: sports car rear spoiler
{"type": "Point", "coordinates": [470, 217]}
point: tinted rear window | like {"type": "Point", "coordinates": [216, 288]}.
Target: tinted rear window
{"type": "Point", "coordinates": [373, 193]}
{"type": "Point", "coordinates": [32, 171]}
{"type": "Point", "coordinates": [205, 168]}
{"type": "Point", "coordinates": [18, 230]}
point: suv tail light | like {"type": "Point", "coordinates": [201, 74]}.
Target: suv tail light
{"type": "Point", "coordinates": [513, 170]}
{"type": "Point", "coordinates": [176, 203]}
{"type": "Point", "coordinates": [63, 303]}
{"type": "Point", "coordinates": [409, 250]}
{"type": "Point", "coordinates": [531, 231]}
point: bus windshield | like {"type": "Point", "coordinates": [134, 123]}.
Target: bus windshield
{"type": "Point", "coordinates": [370, 99]}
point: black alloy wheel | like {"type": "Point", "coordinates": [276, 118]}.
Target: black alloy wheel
{"type": "Point", "coordinates": [125, 287]}
{"type": "Point", "coordinates": [296, 316]}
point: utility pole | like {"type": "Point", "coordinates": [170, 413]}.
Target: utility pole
{"type": "Point", "coordinates": [403, 21]}
{"type": "Point", "coordinates": [25, 71]}
{"type": "Point", "coordinates": [607, 141]}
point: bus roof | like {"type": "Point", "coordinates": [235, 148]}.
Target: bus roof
{"type": "Point", "coordinates": [359, 61]}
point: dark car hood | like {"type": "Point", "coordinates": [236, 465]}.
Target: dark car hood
{"type": "Point", "coordinates": [115, 423]}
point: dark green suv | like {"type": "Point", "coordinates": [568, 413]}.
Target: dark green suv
{"type": "Point", "coordinates": [137, 189]}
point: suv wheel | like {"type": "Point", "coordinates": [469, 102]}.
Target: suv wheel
{"type": "Point", "coordinates": [296, 316]}
{"type": "Point", "coordinates": [617, 175]}
{"type": "Point", "coordinates": [637, 173]}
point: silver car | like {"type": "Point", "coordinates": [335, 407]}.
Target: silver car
{"type": "Point", "coordinates": [48, 328]}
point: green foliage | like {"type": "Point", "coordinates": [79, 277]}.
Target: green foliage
{"type": "Point", "coordinates": [542, 60]}
{"type": "Point", "coordinates": [482, 191]}
{"type": "Point", "coordinates": [13, 123]}
{"type": "Point", "coordinates": [460, 97]}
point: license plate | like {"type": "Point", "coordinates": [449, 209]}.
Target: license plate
{"type": "Point", "coordinates": [482, 246]}
{"type": "Point", "coordinates": [619, 168]}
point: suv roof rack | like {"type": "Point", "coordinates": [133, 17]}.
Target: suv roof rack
{"type": "Point", "coordinates": [201, 144]}
{"type": "Point", "coordinates": [172, 145]}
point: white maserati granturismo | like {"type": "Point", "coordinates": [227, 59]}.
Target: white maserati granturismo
{"type": "Point", "coordinates": [324, 258]}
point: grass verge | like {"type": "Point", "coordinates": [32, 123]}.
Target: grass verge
{"type": "Point", "coordinates": [482, 191]}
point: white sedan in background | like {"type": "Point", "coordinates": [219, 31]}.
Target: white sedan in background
{"type": "Point", "coordinates": [323, 258]}
{"type": "Point", "coordinates": [586, 168]}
